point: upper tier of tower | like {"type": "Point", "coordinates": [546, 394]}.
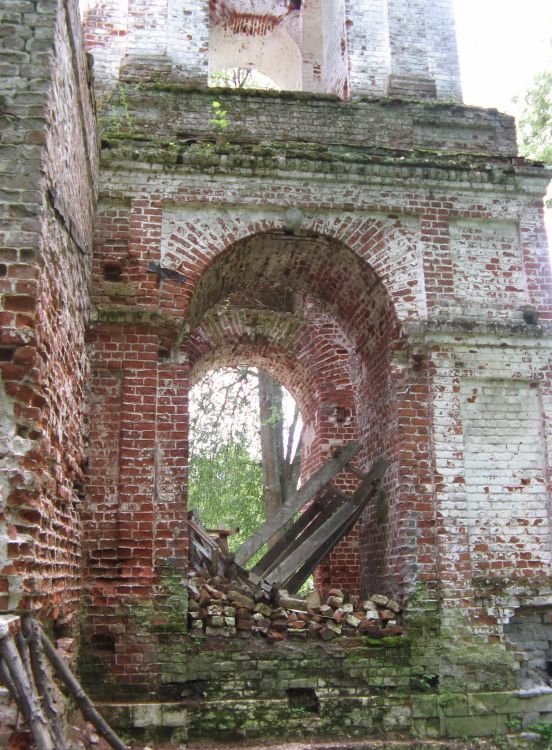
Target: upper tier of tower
{"type": "Point", "coordinates": [350, 48]}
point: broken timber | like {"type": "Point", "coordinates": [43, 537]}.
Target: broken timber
{"type": "Point", "coordinates": [314, 550]}
{"type": "Point", "coordinates": [23, 649]}
{"type": "Point", "coordinates": [284, 514]}
{"type": "Point", "coordinates": [305, 543]}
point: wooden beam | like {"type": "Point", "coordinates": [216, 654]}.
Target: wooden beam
{"type": "Point", "coordinates": [295, 581]}
{"type": "Point", "coordinates": [310, 519]}
{"type": "Point", "coordinates": [313, 485]}
{"type": "Point", "coordinates": [309, 548]}
{"type": "Point", "coordinates": [25, 693]}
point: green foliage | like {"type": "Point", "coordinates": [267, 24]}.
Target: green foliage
{"type": "Point", "coordinates": [219, 117]}
{"type": "Point", "coordinates": [226, 488]}
{"type": "Point", "coordinates": [535, 121]}
{"type": "Point", "coordinates": [544, 729]}
{"type": "Point", "coordinates": [226, 474]}
{"type": "Point", "coordinates": [225, 409]}
{"type": "Point", "coordinates": [424, 682]}
{"type": "Point", "coordinates": [123, 103]}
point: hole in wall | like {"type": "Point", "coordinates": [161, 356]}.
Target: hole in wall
{"type": "Point", "coordinates": [163, 353]}
{"type": "Point", "coordinates": [530, 316]}
{"type": "Point", "coordinates": [173, 691]}
{"type": "Point", "coordinates": [112, 271]}
{"type": "Point", "coordinates": [6, 354]}
{"type": "Point", "coordinates": [78, 489]}
{"type": "Point", "coordinates": [424, 682]}
{"type": "Point", "coordinates": [103, 641]}
{"type": "Point", "coordinates": [62, 628]}
{"type": "Point", "coordinates": [192, 689]}
{"type": "Point", "coordinates": [341, 414]}
{"type": "Point", "coordinates": [303, 699]}
{"type": "Point", "coordinates": [530, 634]}
{"type": "Point", "coordinates": [3, 270]}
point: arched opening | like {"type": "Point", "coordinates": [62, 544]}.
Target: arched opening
{"type": "Point", "coordinates": [319, 315]}
{"type": "Point", "coordinates": [270, 57]}
{"type": "Point", "coordinates": [300, 46]}
{"type": "Point", "coordinates": [251, 37]}
{"type": "Point", "coordinates": [245, 431]}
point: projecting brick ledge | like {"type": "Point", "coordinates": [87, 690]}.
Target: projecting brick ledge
{"type": "Point", "coordinates": [177, 113]}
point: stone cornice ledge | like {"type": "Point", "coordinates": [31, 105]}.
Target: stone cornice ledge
{"type": "Point", "coordinates": [452, 332]}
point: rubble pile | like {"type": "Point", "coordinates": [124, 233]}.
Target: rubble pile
{"type": "Point", "coordinates": [220, 607]}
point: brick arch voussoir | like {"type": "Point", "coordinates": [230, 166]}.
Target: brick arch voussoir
{"type": "Point", "coordinates": [366, 237]}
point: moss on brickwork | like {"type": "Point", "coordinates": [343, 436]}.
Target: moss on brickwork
{"type": "Point", "coordinates": [95, 670]}
{"type": "Point", "coordinates": [281, 157]}
{"type": "Point", "coordinates": [242, 688]}
{"type": "Point", "coordinates": [495, 586]}
{"type": "Point", "coordinates": [171, 610]}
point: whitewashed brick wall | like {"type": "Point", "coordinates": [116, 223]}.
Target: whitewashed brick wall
{"type": "Point", "coordinates": [368, 41]}
{"type": "Point", "coordinates": [371, 38]}
{"type": "Point", "coordinates": [487, 268]}
{"type": "Point", "coordinates": [505, 484]}
{"type": "Point", "coordinates": [443, 63]}
{"type": "Point", "coordinates": [492, 435]}
{"type": "Point", "coordinates": [405, 38]}
{"type": "Point", "coordinates": [335, 63]}
{"type": "Point", "coordinates": [188, 38]}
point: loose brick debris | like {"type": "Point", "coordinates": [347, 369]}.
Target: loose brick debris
{"type": "Point", "coordinates": [226, 599]}
{"type": "Point", "coordinates": [219, 606]}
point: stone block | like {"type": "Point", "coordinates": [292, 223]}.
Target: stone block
{"type": "Point", "coordinates": [424, 706]}
{"type": "Point", "coordinates": [143, 715]}
{"type": "Point", "coordinates": [452, 704]}
{"type": "Point", "coordinates": [468, 726]}
{"type": "Point", "coordinates": [174, 716]}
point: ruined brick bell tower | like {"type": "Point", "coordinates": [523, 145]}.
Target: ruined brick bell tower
{"type": "Point", "coordinates": [374, 244]}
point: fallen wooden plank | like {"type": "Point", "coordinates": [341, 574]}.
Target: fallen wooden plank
{"type": "Point", "coordinates": [307, 522]}
{"type": "Point", "coordinates": [297, 579]}
{"type": "Point", "coordinates": [50, 697]}
{"type": "Point", "coordinates": [25, 692]}
{"type": "Point", "coordinates": [313, 485]}
{"type": "Point", "coordinates": [201, 533]}
{"type": "Point", "coordinates": [340, 518]}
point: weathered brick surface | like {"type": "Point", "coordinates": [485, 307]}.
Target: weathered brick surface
{"type": "Point", "coordinates": [48, 168]}
{"type": "Point", "coordinates": [340, 47]}
{"type": "Point", "coordinates": [290, 116]}
{"type": "Point", "coordinates": [358, 309]}
{"type": "Point", "coordinates": [384, 258]}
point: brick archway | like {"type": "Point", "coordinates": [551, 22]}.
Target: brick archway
{"type": "Point", "coordinates": [309, 307]}
{"type": "Point", "coordinates": [304, 302]}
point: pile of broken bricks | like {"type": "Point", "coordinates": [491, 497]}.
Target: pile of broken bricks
{"type": "Point", "coordinates": [220, 607]}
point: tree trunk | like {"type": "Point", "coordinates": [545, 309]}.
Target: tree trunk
{"type": "Point", "coordinates": [272, 442]}
{"type": "Point", "coordinates": [280, 466]}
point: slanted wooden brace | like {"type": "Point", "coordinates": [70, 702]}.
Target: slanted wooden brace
{"type": "Point", "coordinates": [303, 544]}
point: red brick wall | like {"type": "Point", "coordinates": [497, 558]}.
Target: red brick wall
{"type": "Point", "coordinates": [46, 242]}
